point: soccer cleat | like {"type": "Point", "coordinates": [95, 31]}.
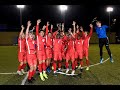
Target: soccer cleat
{"type": "Point", "coordinates": [52, 68]}
{"type": "Point", "coordinates": [111, 60]}
{"type": "Point", "coordinates": [19, 73]}
{"type": "Point", "coordinates": [22, 70]}
{"type": "Point", "coordinates": [45, 75]}
{"type": "Point", "coordinates": [33, 79]}
{"type": "Point", "coordinates": [67, 71]}
{"type": "Point", "coordinates": [87, 68]}
{"type": "Point", "coordinates": [48, 70]}
{"type": "Point", "coordinates": [55, 74]}
{"type": "Point", "coordinates": [30, 81]}
{"type": "Point", "coordinates": [73, 72]}
{"type": "Point", "coordinates": [59, 70]}
{"type": "Point", "coordinates": [81, 69]}
{"type": "Point", "coordinates": [41, 77]}
{"type": "Point", "coordinates": [79, 66]}
{"type": "Point", "coordinates": [101, 60]}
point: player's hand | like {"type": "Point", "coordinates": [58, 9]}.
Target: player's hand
{"type": "Point", "coordinates": [77, 26]}
{"type": "Point", "coordinates": [51, 26]}
{"type": "Point", "coordinates": [29, 23]}
{"type": "Point", "coordinates": [74, 23]}
{"type": "Point", "coordinates": [62, 24]}
{"type": "Point", "coordinates": [22, 27]}
{"type": "Point", "coordinates": [38, 21]}
{"type": "Point", "coordinates": [33, 28]}
{"type": "Point", "coordinates": [81, 28]}
{"type": "Point", "coordinates": [44, 27]}
{"type": "Point", "coordinates": [91, 25]}
{"type": "Point", "coordinates": [48, 23]}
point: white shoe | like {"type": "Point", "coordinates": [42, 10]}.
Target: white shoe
{"type": "Point", "coordinates": [87, 68]}
{"type": "Point", "coordinates": [73, 72]}
{"type": "Point", "coordinates": [19, 73]}
{"type": "Point", "coordinates": [67, 71]}
{"type": "Point", "coordinates": [22, 70]}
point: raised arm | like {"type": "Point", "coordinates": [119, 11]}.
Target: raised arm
{"type": "Point", "coordinates": [81, 29]}
{"type": "Point", "coordinates": [47, 28]}
{"type": "Point", "coordinates": [74, 27]}
{"type": "Point", "coordinates": [62, 26]}
{"type": "Point", "coordinates": [37, 26]}
{"type": "Point", "coordinates": [28, 26]}
{"type": "Point", "coordinates": [21, 32]}
{"type": "Point", "coordinates": [91, 30]}
{"type": "Point", "coordinates": [51, 28]}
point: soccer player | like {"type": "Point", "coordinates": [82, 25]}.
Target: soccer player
{"type": "Point", "coordinates": [31, 56]}
{"type": "Point", "coordinates": [70, 53]}
{"type": "Point", "coordinates": [79, 47]}
{"type": "Point", "coordinates": [21, 52]}
{"type": "Point", "coordinates": [103, 40]}
{"type": "Point", "coordinates": [86, 46]}
{"type": "Point", "coordinates": [57, 49]}
{"type": "Point", "coordinates": [49, 45]}
{"type": "Point", "coordinates": [41, 55]}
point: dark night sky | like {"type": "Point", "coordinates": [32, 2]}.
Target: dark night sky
{"type": "Point", "coordinates": [82, 14]}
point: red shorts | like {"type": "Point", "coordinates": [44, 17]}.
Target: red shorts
{"type": "Point", "coordinates": [31, 59]}
{"type": "Point", "coordinates": [41, 55]}
{"type": "Point", "coordinates": [22, 56]}
{"type": "Point", "coordinates": [85, 52]}
{"type": "Point", "coordinates": [48, 53]}
{"type": "Point", "coordinates": [70, 55]}
{"type": "Point", "coordinates": [57, 56]}
{"type": "Point", "coordinates": [79, 55]}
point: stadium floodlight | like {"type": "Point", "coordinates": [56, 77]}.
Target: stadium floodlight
{"type": "Point", "coordinates": [20, 7]}
{"type": "Point", "coordinates": [63, 8]}
{"type": "Point", "coordinates": [109, 10]}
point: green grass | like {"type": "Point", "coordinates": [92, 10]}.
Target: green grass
{"type": "Point", "coordinates": [104, 74]}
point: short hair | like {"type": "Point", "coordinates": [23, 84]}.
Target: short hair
{"type": "Point", "coordinates": [98, 22]}
{"type": "Point", "coordinates": [41, 30]}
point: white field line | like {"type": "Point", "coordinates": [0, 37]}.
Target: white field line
{"type": "Point", "coordinates": [24, 80]}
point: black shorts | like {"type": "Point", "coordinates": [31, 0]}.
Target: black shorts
{"type": "Point", "coordinates": [103, 41]}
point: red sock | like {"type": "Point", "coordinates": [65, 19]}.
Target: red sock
{"type": "Point", "coordinates": [23, 66]}
{"type": "Point", "coordinates": [40, 67]}
{"type": "Point", "coordinates": [59, 65]}
{"type": "Point", "coordinates": [81, 63]}
{"type": "Point", "coordinates": [54, 65]}
{"type": "Point", "coordinates": [44, 66]}
{"type": "Point", "coordinates": [19, 67]}
{"type": "Point", "coordinates": [76, 63]}
{"type": "Point", "coordinates": [73, 66]}
{"type": "Point", "coordinates": [30, 75]}
{"type": "Point", "coordinates": [87, 62]}
{"type": "Point", "coordinates": [33, 72]}
{"type": "Point", "coordinates": [67, 64]}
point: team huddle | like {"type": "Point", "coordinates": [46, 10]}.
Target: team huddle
{"type": "Point", "coordinates": [47, 49]}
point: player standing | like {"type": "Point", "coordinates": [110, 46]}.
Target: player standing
{"type": "Point", "coordinates": [31, 56]}
{"type": "Point", "coordinates": [21, 52]}
{"type": "Point", "coordinates": [103, 40]}
{"type": "Point", "coordinates": [41, 55]}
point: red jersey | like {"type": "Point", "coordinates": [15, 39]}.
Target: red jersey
{"type": "Point", "coordinates": [87, 39]}
{"type": "Point", "coordinates": [41, 41]}
{"type": "Point", "coordinates": [57, 45]}
{"type": "Point", "coordinates": [21, 45]}
{"type": "Point", "coordinates": [79, 45]}
{"type": "Point", "coordinates": [30, 46]}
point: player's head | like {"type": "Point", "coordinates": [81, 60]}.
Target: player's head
{"type": "Point", "coordinates": [58, 36]}
{"type": "Point", "coordinates": [23, 35]}
{"type": "Point", "coordinates": [33, 36]}
{"type": "Point", "coordinates": [86, 33]}
{"type": "Point", "coordinates": [42, 33]}
{"type": "Point", "coordinates": [98, 23]}
{"type": "Point", "coordinates": [49, 34]}
{"type": "Point", "coordinates": [30, 35]}
{"type": "Point", "coordinates": [61, 33]}
{"type": "Point", "coordinates": [79, 37]}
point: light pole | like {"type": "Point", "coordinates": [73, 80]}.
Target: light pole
{"type": "Point", "coordinates": [63, 8]}
{"type": "Point", "coordinates": [109, 10]}
{"type": "Point", "coordinates": [20, 7]}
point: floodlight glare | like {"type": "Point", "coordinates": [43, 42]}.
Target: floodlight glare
{"type": "Point", "coordinates": [20, 6]}
{"type": "Point", "coordinates": [109, 9]}
{"type": "Point", "coordinates": [63, 7]}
